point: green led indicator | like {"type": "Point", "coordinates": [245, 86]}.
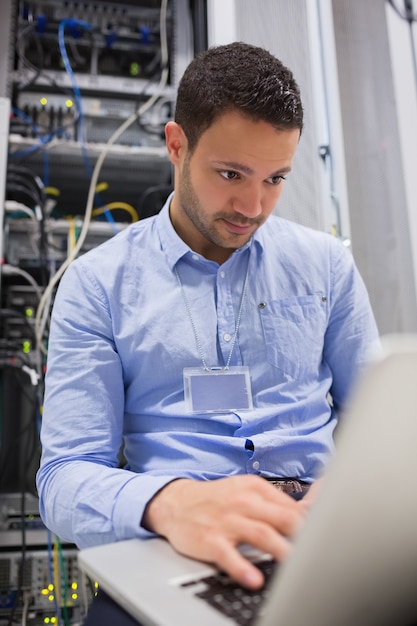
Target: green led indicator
{"type": "Point", "coordinates": [134, 69]}
{"type": "Point", "coordinates": [29, 312]}
{"type": "Point", "coordinates": [26, 347]}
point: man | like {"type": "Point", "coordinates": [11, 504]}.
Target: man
{"type": "Point", "coordinates": [217, 341]}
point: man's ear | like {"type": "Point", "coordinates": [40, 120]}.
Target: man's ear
{"type": "Point", "coordinates": [176, 142]}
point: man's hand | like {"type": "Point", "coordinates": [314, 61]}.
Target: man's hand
{"type": "Point", "coordinates": [208, 520]}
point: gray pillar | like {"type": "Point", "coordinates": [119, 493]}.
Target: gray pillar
{"type": "Point", "coordinates": [377, 201]}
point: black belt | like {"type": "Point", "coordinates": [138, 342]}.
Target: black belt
{"type": "Point", "coordinates": [292, 486]}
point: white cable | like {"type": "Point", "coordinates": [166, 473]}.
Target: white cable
{"type": "Point", "coordinates": [11, 269]}
{"type": "Point", "coordinates": [45, 315]}
{"type": "Point", "coordinates": [83, 591]}
{"type": "Point", "coordinates": [11, 206]}
{"type": "Point", "coordinates": [94, 178]}
{"type": "Point", "coordinates": [26, 604]}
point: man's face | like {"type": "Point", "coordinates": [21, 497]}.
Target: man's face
{"type": "Point", "coordinates": [230, 184]}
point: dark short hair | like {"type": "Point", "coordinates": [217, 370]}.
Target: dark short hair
{"type": "Point", "coordinates": [237, 77]}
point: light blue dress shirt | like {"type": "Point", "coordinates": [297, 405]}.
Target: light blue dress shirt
{"type": "Point", "coordinates": [121, 336]}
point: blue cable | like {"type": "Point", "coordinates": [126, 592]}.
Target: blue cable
{"type": "Point", "coordinates": [73, 24]}
{"type": "Point", "coordinates": [42, 141]}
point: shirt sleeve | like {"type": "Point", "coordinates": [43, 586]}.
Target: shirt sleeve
{"type": "Point", "coordinates": [85, 496]}
{"type": "Point", "coordinates": [351, 334]}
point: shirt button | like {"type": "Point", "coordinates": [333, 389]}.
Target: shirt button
{"type": "Point", "coordinates": [222, 274]}
{"type": "Point", "coordinates": [227, 337]}
{"type": "Point", "coordinates": [255, 465]}
{"type": "Point", "coordinates": [196, 257]}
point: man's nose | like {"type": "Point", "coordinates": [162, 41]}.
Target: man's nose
{"type": "Point", "coordinates": [249, 202]}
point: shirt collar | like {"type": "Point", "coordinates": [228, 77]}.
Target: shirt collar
{"type": "Point", "coordinates": [174, 247]}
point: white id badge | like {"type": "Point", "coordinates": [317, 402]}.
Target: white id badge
{"type": "Point", "coordinates": [217, 390]}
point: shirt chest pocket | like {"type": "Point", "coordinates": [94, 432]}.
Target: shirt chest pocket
{"type": "Point", "coordinates": [294, 330]}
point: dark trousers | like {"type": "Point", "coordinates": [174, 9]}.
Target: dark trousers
{"type": "Point", "coordinates": [105, 612]}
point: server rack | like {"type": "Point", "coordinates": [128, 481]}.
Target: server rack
{"type": "Point", "coordinates": [85, 91]}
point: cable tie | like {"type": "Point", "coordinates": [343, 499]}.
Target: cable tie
{"type": "Point", "coordinates": [33, 375]}
{"type": "Point", "coordinates": [38, 213]}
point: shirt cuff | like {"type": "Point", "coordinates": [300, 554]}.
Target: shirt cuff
{"type": "Point", "coordinates": [131, 503]}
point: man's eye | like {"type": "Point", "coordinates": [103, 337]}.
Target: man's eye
{"type": "Point", "coordinates": [275, 180]}
{"type": "Point", "coordinates": [229, 175]}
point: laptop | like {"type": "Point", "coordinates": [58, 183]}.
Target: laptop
{"type": "Point", "coordinates": [354, 561]}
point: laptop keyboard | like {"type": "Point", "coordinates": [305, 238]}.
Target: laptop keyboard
{"type": "Point", "coordinates": [234, 601]}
